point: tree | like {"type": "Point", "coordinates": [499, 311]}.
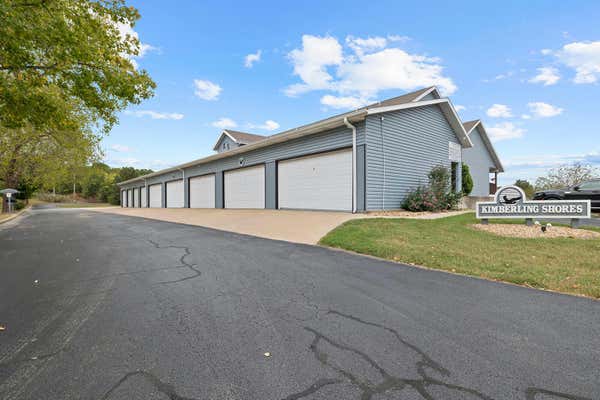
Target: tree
{"type": "Point", "coordinates": [526, 186]}
{"type": "Point", "coordinates": [467, 180]}
{"type": "Point", "coordinates": [66, 70]}
{"type": "Point", "coordinates": [567, 175]}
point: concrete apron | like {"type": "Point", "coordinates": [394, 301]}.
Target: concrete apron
{"type": "Point", "coordinates": [295, 226]}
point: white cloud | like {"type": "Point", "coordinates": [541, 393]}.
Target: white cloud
{"type": "Point", "coordinates": [369, 66]}
{"type": "Point", "coordinates": [505, 131]}
{"type": "Point", "coordinates": [544, 110]}
{"type": "Point", "coordinates": [207, 90]}
{"type": "Point", "coordinates": [142, 49]}
{"type": "Point", "coordinates": [546, 51]}
{"type": "Point", "coordinates": [499, 111]}
{"type": "Point", "coordinates": [224, 123]}
{"type": "Point", "coordinates": [121, 148]}
{"type": "Point", "coordinates": [250, 59]}
{"type": "Point", "coordinates": [155, 114]}
{"type": "Point", "coordinates": [366, 45]}
{"type": "Point", "coordinates": [341, 102]}
{"type": "Point", "coordinates": [125, 161]}
{"type": "Point", "coordinates": [583, 57]}
{"type": "Point", "coordinates": [269, 125]}
{"type": "Point", "coordinates": [546, 75]}
{"type": "Point", "coordinates": [310, 63]}
{"type": "Point", "coordinates": [459, 107]}
{"type": "Point", "coordinates": [525, 116]}
{"type": "Point", "coordinates": [500, 77]}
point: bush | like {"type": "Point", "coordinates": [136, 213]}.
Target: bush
{"type": "Point", "coordinates": [467, 180]}
{"type": "Point", "coordinates": [436, 196]}
{"type": "Point", "coordinates": [53, 198]}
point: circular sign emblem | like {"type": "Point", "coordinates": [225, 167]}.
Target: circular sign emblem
{"type": "Point", "coordinates": [510, 195]}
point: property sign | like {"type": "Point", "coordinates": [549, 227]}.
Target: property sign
{"type": "Point", "coordinates": [510, 202]}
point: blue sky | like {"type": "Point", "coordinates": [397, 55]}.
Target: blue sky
{"type": "Point", "coordinates": [530, 70]}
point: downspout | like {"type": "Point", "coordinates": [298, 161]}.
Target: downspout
{"type": "Point", "coordinates": [354, 185]}
{"type": "Point", "coordinates": [383, 161]}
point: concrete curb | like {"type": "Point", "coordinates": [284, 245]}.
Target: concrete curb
{"type": "Point", "coordinates": [19, 213]}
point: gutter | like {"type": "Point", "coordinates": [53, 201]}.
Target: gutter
{"type": "Point", "coordinates": [295, 133]}
{"type": "Point", "coordinates": [354, 188]}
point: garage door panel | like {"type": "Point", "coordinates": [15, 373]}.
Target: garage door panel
{"type": "Point", "coordinates": [129, 198]}
{"type": "Point", "coordinates": [144, 199]}
{"type": "Point", "coordinates": [155, 195]}
{"type": "Point", "coordinates": [318, 182]}
{"type": "Point", "coordinates": [245, 187]}
{"type": "Point", "coordinates": [175, 194]}
{"type": "Point", "coordinates": [202, 191]}
{"type": "Point", "coordinates": [136, 197]}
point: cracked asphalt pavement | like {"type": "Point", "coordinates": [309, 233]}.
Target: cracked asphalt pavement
{"type": "Point", "coordinates": [100, 306]}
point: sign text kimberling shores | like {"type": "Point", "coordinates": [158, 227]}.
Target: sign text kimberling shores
{"type": "Point", "coordinates": [510, 202]}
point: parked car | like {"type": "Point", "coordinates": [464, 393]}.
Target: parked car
{"type": "Point", "coordinates": [589, 190]}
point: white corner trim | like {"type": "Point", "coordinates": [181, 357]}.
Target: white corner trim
{"type": "Point", "coordinates": [474, 126]}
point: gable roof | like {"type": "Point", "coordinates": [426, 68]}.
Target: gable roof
{"type": "Point", "coordinates": [470, 126]}
{"type": "Point", "coordinates": [406, 101]}
{"type": "Point", "coordinates": [238, 137]}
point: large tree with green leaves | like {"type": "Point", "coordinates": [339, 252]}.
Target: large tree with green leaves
{"type": "Point", "coordinates": [66, 70]}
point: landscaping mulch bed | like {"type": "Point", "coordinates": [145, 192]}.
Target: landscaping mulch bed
{"type": "Point", "coordinates": [531, 232]}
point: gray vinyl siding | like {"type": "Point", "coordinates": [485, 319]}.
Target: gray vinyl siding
{"type": "Point", "coordinates": [479, 161]}
{"type": "Point", "coordinates": [401, 149]}
{"type": "Point", "coordinates": [334, 139]}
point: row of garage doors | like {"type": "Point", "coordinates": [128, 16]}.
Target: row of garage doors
{"type": "Point", "coordinates": [318, 182]}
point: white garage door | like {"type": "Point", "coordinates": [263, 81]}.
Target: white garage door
{"type": "Point", "coordinates": [155, 195]}
{"type": "Point", "coordinates": [202, 191]}
{"type": "Point", "coordinates": [129, 198]}
{"type": "Point", "coordinates": [245, 187]}
{"type": "Point", "coordinates": [175, 194]}
{"type": "Point", "coordinates": [136, 197]}
{"type": "Point", "coordinates": [143, 197]}
{"type": "Point", "coordinates": [123, 198]}
{"type": "Point", "coordinates": [319, 182]}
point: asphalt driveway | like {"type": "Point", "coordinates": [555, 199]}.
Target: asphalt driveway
{"type": "Point", "coordinates": [102, 306]}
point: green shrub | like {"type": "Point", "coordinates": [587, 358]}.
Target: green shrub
{"type": "Point", "coordinates": [467, 180]}
{"type": "Point", "coordinates": [436, 196]}
{"type": "Point", "coordinates": [53, 198]}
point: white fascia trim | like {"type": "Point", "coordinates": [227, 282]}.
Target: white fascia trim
{"type": "Point", "coordinates": [489, 146]}
{"type": "Point", "coordinates": [432, 89]}
{"type": "Point", "coordinates": [474, 126]}
{"type": "Point", "coordinates": [447, 108]}
{"type": "Point", "coordinates": [223, 132]}
{"type": "Point", "coordinates": [295, 133]}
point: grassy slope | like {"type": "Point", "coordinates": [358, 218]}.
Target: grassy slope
{"type": "Point", "coordinates": [566, 265]}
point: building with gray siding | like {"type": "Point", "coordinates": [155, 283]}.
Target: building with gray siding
{"type": "Point", "coordinates": [363, 160]}
{"type": "Point", "coordinates": [482, 160]}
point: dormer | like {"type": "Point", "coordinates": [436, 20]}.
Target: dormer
{"type": "Point", "coordinates": [229, 140]}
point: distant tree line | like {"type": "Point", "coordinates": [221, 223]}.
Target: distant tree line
{"type": "Point", "coordinates": [564, 176]}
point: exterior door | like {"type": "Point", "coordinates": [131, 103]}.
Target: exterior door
{"type": "Point", "coordinates": [175, 194]}
{"type": "Point", "coordinates": [245, 187]}
{"type": "Point", "coordinates": [202, 191]}
{"type": "Point", "coordinates": [317, 182]}
{"type": "Point", "coordinates": [155, 195]}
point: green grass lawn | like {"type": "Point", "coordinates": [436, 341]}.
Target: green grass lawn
{"type": "Point", "coordinates": [561, 264]}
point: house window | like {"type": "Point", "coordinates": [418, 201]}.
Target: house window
{"type": "Point", "coordinates": [226, 146]}
{"type": "Point", "coordinates": [454, 176]}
